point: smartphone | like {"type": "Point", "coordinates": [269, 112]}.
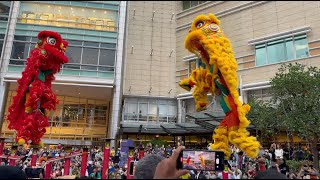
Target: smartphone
{"type": "Point", "coordinates": [132, 167]}
{"type": "Point", "coordinates": [204, 160]}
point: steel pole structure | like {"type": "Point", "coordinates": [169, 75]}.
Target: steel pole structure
{"type": "Point", "coordinates": [67, 161]}
{"type": "Point", "coordinates": [130, 159]}
{"type": "Point", "coordinates": [1, 147]}
{"type": "Point", "coordinates": [34, 156]}
{"type": "Point", "coordinates": [106, 156]}
{"type": "Point", "coordinates": [84, 162]}
{"type": "Point", "coordinates": [48, 170]}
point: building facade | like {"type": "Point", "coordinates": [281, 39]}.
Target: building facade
{"type": "Point", "coordinates": [264, 35]}
{"type": "Point", "coordinates": [88, 85]}
{"type": "Point", "coordinates": [127, 58]}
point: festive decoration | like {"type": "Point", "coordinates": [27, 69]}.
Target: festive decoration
{"type": "Point", "coordinates": [207, 40]}
{"type": "Point", "coordinates": [27, 113]}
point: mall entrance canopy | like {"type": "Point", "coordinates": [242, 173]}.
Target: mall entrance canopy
{"type": "Point", "coordinates": [195, 123]}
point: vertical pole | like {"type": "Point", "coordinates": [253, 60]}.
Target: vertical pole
{"type": "Point", "coordinates": [67, 166]}
{"type": "Point", "coordinates": [48, 170]}
{"type": "Point", "coordinates": [34, 156]}
{"type": "Point", "coordinates": [1, 147]}
{"type": "Point", "coordinates": [130, 159]}
{"type": "Point", "coordinates": [106, 156]}
{"type": "Point", "coordinates": [84, 162]}
{"type": "Point", "coordinates": [67, 161]}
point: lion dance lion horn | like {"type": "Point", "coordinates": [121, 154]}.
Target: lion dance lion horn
{"type": "Point", "coordinates": [207, 40]}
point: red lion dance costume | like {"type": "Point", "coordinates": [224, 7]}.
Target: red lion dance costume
{"type": "Point", "coordinates": [28, 112]}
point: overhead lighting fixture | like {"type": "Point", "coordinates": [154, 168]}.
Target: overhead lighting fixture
{"type": "Point", "coordinates": [48, 6]}
{"type": "Point", "coordinates": [82, 9]}
{"type": "Point", "coordinates": [94, 10]}
{"type": "Point", "coordinates": [105, 12]}
{"type": "Point", "coordinates": [71, 8]}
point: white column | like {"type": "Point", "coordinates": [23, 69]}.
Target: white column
{"type": "Point", "coordinates": [117, 90]}
{"type": "Point", "coordinates": [6, 56]}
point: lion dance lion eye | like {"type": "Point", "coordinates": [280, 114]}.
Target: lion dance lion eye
{"type": "Point", "coordinates": [51, 41]}
{"type": "Point", "coordinates": [200, 24]}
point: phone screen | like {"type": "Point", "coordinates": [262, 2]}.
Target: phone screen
{"type": "Point", "coordinates": [201, 160]}
{"type": "Point", "coordinates": [132, 166]}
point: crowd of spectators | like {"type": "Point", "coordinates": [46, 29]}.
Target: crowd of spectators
{"type": "Point", "coordinates": [240, 166]}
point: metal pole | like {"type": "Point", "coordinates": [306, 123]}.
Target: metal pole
{"type": "Point", "coordinates": [106, 156]}
{"type": "Point", "coordinates": [34, 155]}
{"type": "Point", "coordinates": [1, 147]}
{"type": "Point", "coordinates": [130, 159]}
{"type": "Point", "coordinates": [67, 161]}
{"type": "Point", "coordinates": [48, 170]}
{"type": "Point", "coordinates": [84, 162]}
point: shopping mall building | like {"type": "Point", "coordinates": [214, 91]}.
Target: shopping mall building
{"type": "Point", "coordinates": [126, 59]}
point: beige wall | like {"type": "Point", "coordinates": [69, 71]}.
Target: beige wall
{"type": "Point", "coordinates": [255, 20]}
{"type": "Point", "coordinates": [142, 71]}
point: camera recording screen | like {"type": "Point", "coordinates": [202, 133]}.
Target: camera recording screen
{"type": "Point", "coordinates": [199, 160]}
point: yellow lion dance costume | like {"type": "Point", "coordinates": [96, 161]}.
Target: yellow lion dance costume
{"type": "Point", "coordinates": [207, 41]}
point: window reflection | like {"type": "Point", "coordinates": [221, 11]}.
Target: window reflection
{"type": "Point", "coordinates": [4, 10]}
{"type": "Point", "coordinates": [150, 110]}
{"type": "Point", "coordinates": [67, 16]}
{"type": "Point", "coordinates": [282, 50]}
{"type": "Point", "coordinates": [107, 57]}
{"type": "Point", "coordinates": [76, 112]}
{"type": "Point", "coordinates": [20, 50]}
{"type": "Point", "coordinates": [90, 56]}
{"type": "Point", "coordinates": [74, 54]}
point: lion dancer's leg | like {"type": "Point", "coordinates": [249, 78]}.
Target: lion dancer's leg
{"type": "Point", "coordinates": [220, 138]}
{"type": "Point", "coordinates": [29, 129]}
{"type": "Point", "coordinates": [240, 137]}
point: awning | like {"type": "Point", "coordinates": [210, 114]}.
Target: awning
{"type": "Point", "coordinates": [196, 123]}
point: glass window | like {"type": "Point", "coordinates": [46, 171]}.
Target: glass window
{"type": "Point", "coordinates": [143, 111]}
{"type": "Point", "coordinates": [289, 49]}
{"type": "Point", "coordinates": [172, 110]}
{"type": "Point", "coordinates": [73, 42]}
{"type": "Point", "coordinates": [132, 108]}
{"type": "Point", "coordinates": [62, 15]}
{"type": "Point", "coordinates": [34, 39]}
{"type": "Point", "coordinates": [87, 67]}
{"type": "Point", "coordinates": [163, 109]}
{"type": "Point", "coordinates": [100, 115]}
{"type": "Point", "coordinates": [107, 57]}
{"type": "Point", "coordinates": [90, 56]}
{"type": "Point", "coordinates": [74, 54]}
{"type": "Point", "coordinates": [71, 66]}
{"type": "Point", "coordinates": [1, 44]}
{"type": "Point", "coordinates": [185, 5]}
{"type": "Point", "coordinates": [22, 38]}
{"type": "Point", "coordinates": [301, 47]}
{"type": "Point", "coordinates": [20, 50]}
{"type": "Point", "coordinates": [4, 10]}
{"type": "Point", "coordinates": [93, 44]}
{"type": "Point", "coordinates": [194, 3]}
{"type": "Point", "coordinates": [108, 45]}
{"type": "Point", "coordinates": [276, 52]}
{"type": "Point", "coordinates": [282, 50]}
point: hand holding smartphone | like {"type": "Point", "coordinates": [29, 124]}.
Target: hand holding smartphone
{"type": "Point", "coordinates": [204, 160]}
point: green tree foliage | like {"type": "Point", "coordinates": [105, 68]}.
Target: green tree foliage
{"type": "Point", "coordinates": [261, 119]}
{"type": "Point", "coordinates": [295, 104]}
